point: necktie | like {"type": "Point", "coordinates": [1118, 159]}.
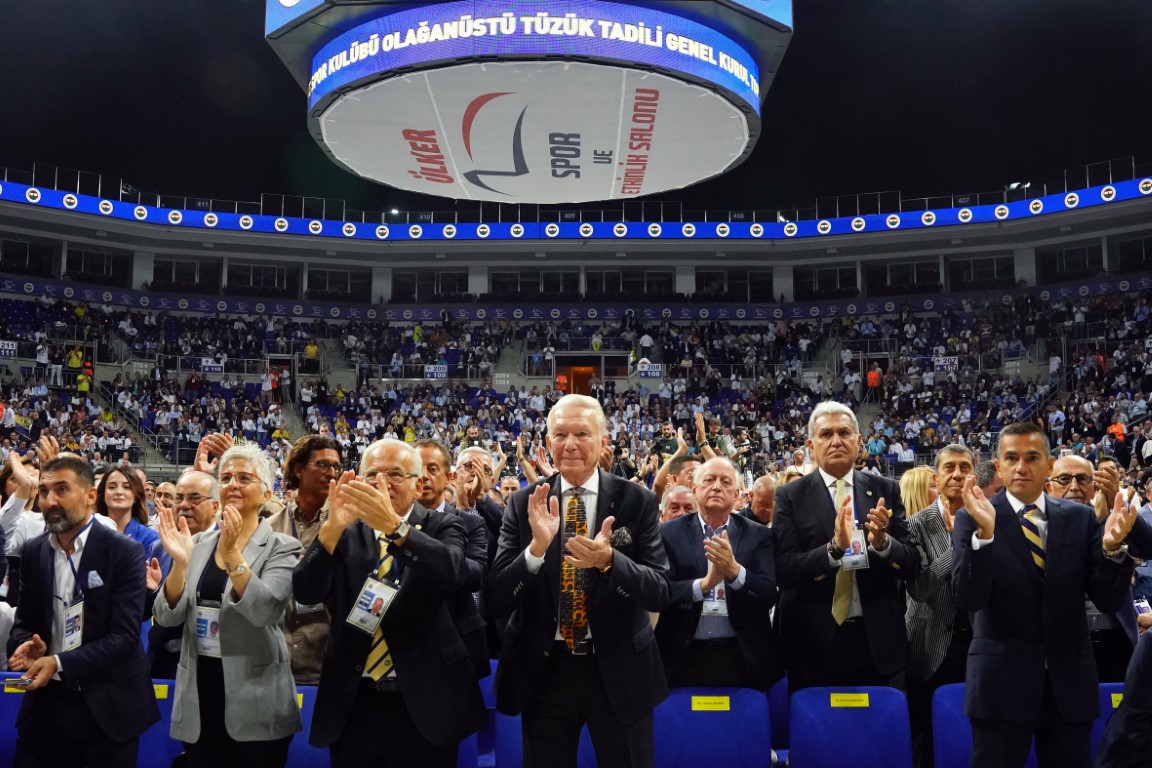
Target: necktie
{"type": "Point", "coordinates": [842, 597]}
{"type": "Point", "coordinates": [379, 661]}
{"type": "Point", "coordinates": [1029, 516]}
{"type": "Point", "coordinates": [573, 580]}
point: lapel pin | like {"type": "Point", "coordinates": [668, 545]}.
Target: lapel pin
{"type": "Point", "coordinates": [867, 493]}
{"type": "Point", "coordinates": [419, 527]}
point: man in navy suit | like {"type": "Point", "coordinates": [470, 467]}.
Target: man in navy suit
{"type": "Point", "coordinates": [716, 630]}
{"type": "Point", "coordinates": [406, 693]}
{"type": "Point", "coordinates": [1022, 563]}
{"type": "Point", "coordinates": [841, 626]}
{"type": "Point", "coordinates": [77, 633]}
{"type": "Point", "coordinates": [581, 651]}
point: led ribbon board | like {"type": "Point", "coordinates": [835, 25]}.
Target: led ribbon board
{"type": "Point", "coordinates": [540, 102]}
{"type": "Point", "coordinates": [280, 13]}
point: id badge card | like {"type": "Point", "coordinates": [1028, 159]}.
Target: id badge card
{"type": "Point", "coordinates": [208, 631]}
{"type": "Point", "coordinates": [73, 625]}
{"type": "Point", "coordinates": [371, 604]}
{"type": "Point", "coordinates": [1142, 606]}
{"type": "Point", "coordinates": [716, 602]}
{"type": "Point", "coordinates": [856, 557]}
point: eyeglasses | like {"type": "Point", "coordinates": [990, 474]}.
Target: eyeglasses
{"type": "Point", "coordinates": [1066, 480]}
{"type": "Point", "coordinates": [326, 466]}
{"type": "Point", "coordinates": [243, 479]}
{"type": "Point", "coordinates": [394, 476]}
{"type": "Point", "coordinates": [193, 499]}
{"type": "Point", "coordinates": [474, 469]}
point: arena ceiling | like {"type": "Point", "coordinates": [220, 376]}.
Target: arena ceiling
{"type": "Point", "coordinates": [919, 96]}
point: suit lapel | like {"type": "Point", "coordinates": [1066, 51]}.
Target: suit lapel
{"type": "Point", "coordinates": [257, 547]}
{"type": "Point", "coordinates": [555, 550]}
{"type": "Point", "coordinates": [825, 509]}
{"type": "Point", "coordinates": [1008, 524]}
{"type": "Point", "coordinates": [605, 501]}
{"type": "Point", "coordinates": [864, 496]}
{"type": "Point", "coordinates": [694, 538]}
{"type": "Point", "coordinates": [94, 554]}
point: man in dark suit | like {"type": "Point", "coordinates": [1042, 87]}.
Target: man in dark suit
{"type": "Point", "coordinates": [578, 584]}
{"type": "Point", "coordinates": [404, 694]}
{"type": "Point", "coordinates": [90, 696]}
{"type": "Point", "coordinates": [1022, 563]}
{"type": "Point", "coordinates": [716, 630]}
{"type": "Point", "coordinates": [841, 626]}
{"type": "Point", "coordinates": [437, 473]}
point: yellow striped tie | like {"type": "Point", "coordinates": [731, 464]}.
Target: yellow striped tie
{"type": "Point", "coordinates": [1029, 524]}
{"type": "Point", "coordinates": [842, 597]}
{"type": "Point", "coordinates": [379, 661]}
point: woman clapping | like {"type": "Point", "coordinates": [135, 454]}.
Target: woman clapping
{"type": "Point", "coordinates": [235, 698]}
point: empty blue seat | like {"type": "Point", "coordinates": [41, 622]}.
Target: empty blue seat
{"type": "Point", "coordinates": [952, 730]}
{"type": "Point", "coordinates": [157, 747]}
{"type": "Point", "coordinates": [713, 726]}
{"type": "Point", "coordinates": [861, 726]}
{"type": "Point", "coordinates": [1110, 695]}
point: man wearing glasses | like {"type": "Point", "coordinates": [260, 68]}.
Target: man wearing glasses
{"type": "Point", "coordinates": [313, 463]}
{"type": "Point", "coordinates": [1114, 635]}
{"type": "Point", "coordinates": [197, 500]}
{"type": "Point", "coordinates": [397, 689]}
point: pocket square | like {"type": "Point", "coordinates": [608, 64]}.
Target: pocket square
{"type": "Point", "coordinates": [94, 580]}
{"type": "Point", "coordinates": [621, 537]}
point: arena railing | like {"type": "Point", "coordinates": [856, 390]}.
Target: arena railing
{"type": "Point", "coordinates": [860, 204]}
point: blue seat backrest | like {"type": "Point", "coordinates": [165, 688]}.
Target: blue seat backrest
{"type": "Point", "coordinates": [867, 726]}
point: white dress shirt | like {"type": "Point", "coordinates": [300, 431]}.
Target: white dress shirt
{"type": "Point", "coordinates": [64, 587]}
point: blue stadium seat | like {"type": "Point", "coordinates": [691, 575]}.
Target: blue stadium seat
{"type": "Point", "coordinates": [860, 726]}
{"type": "Point", "coordinates": [778, 709]}
{"type": "Point", "coordinates": [713, 726]}
{"type": "Point", "coordinates": [952, 731]}
{"type": "Point", "coordinates": [486, 738]}
{"type": "Point", "coordinates": [157, 748]}
{"type": "Point", "coordinates": [1110, 695]}
{"type": "Point", "coordinates": [510, 745]}
{"type": "Point", "coordinates": [9, 707]}
{"type": "Point", "coordinates": [301, 754]}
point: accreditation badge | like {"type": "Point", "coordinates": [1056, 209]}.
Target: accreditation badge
{"type": "Point", "coordinates": [371, 604]}
{"type": "Point", "coordinates": [73, 625]}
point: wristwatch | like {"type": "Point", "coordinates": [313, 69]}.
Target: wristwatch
{"type": "Point", "coordinates": [237, 570]}
{"type": "Point", "coordinates": [834, 551]}
{"type": "Point", "coordinates": [400, 532]}
{"type": "Point", "coordinates": [1120, 550]}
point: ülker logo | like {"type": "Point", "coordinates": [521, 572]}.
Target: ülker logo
{"type": "Point", "coordinates": [520, 165]}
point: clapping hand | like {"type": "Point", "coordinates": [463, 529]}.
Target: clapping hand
{"type": "Point", "coordinates": [175, 537]}
{"type": "Point", "coordinates": [592, 553]}
{"type": "Point", "coordinates": [718, 551]}
{"type": "Point", "coordinates": [979, 509]}
{"type": "Point", "coordinates": [877, 525]}
{"type": "Point", "coordinates": [1119, 523]}
{"type": "Point", "coordinates": [215, 444]}
{"type": "Point", "coordinates": [845, 524]}
{"type": "Point", "coordinates": [543, 519]}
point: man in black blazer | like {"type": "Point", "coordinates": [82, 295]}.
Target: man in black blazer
{"type": "Point", "coordinates": [88, 702]}
{"type": "Point", "coordinates": [585, 653]}
{"type": "Point", "coordinates": [1022, 563]}
{"type": "Point", "coordinates": [841, 626]}
{"type": "Point", "coordinates": [716, 630]}
{"type": "Point", "coordinates": [437, 473]}
{"type": "Point", "coordinates": [414, 704]}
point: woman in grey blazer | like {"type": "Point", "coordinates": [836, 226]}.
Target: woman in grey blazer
{"type": "Point", "coordinates": [235, 698]}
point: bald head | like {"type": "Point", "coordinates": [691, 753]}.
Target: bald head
{"type": "Point", "coordinates": [764, 499]}
{"type": "Point", "coordinates": [1077, 471]}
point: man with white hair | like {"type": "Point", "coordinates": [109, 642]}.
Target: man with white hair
{"type": "Point", "coordinates": [716, 630]}
{"type": "Point", "coordinates": [842, 618]}
{"type": "Point", "coordinates": [579, 566]}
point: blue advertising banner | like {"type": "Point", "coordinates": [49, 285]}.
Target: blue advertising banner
{"type": "Point", "coordinates": [707, 230]}
{"type": "Point", "coordinates": [585, 29]}
{"type": "Point", "coordinates": [799, 311]}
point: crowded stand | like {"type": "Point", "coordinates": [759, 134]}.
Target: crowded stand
{"type": "Point", "coordinates": [435, 494]}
